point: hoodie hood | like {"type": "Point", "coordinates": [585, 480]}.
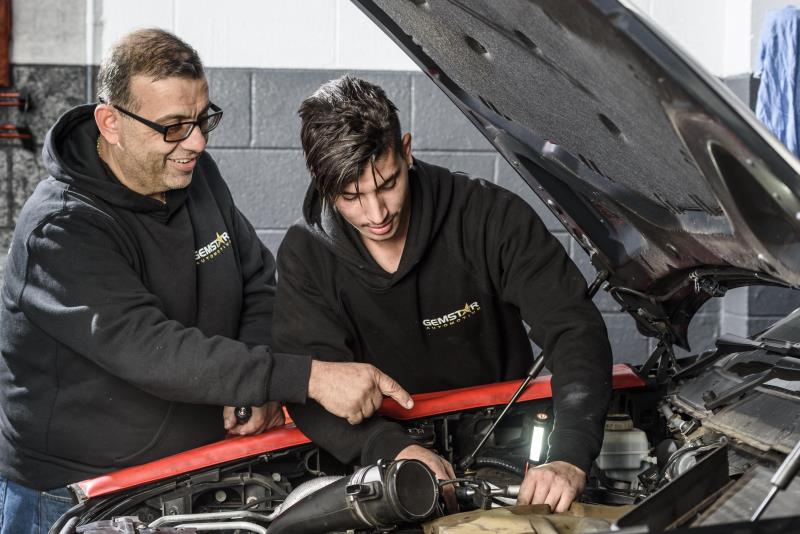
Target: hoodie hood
{"type": "Point", "coordinates": [430, 198]}
{"type": "Point", "coordinates": [70, 156]}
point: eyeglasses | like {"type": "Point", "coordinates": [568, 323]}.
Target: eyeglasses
{"type": "Point", "coordinates": [178, 131]}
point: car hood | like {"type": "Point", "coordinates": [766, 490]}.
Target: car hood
{"type": "Point", "coordinates": [663, 176]}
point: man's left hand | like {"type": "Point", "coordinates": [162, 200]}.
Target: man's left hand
{"type": "Point", "coordinates": [556, 484]}
{"type": "Point", "coordinates": [266, 416]}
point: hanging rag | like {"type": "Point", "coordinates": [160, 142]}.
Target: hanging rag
{"type": "Point", "coordinates": [778, 102]}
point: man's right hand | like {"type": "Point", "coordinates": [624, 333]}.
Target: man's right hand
{"type": "Point", "coordinates": [440, 467]}
{"type": "Point", "coordinates": [353, 391]}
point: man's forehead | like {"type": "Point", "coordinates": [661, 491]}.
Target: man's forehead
{"type": "Point", "coordinates": [368, 181]}
{"type": "Point", "coordinates": [170, 95]}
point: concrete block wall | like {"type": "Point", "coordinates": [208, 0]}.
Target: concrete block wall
{"type": "Point", "coordinates": [258, 150]}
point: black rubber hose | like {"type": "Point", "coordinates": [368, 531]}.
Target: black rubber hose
{"type": "Point", "coordinates": [61, 522]}
{"type": "Point", "coordinates": [488, 461]}
{"type": "Point", "coordinates": [69, 526]}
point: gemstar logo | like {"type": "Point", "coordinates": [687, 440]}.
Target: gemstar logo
{"type": "Point", "coordinates": [455, 317]}
{"type": "Point", "coordinates": [213, 249]}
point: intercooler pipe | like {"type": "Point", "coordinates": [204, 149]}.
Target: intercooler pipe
{"type": "Point", "coordinates": [377, 496]}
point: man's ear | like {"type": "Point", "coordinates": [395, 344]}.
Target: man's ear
{"type": "Point", "coordinates": [107, 122]}
{"type": "Point", "coordinates": [406, 142]}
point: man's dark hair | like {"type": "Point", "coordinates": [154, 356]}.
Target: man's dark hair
{"type": "Point", "coordinates": [149, 52]}
{"type": "Point", "coordinates": [346, 124]}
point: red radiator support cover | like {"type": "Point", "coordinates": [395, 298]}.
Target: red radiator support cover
{"type": "Point", "coordinates": [240, 447]}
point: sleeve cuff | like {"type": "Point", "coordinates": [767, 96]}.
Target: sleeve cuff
{"type": "Point", "coordinates": [288, 381]}
{"type": "Point", "coordinates": [571, 448]}
{"type": "Point", "coordinates": [385, 443]}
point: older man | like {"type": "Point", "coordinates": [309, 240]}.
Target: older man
{"type": "Point", "coordinates": [137, 298]}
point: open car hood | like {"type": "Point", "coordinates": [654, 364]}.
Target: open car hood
{"type": "Point", "coordinates": [664, 177]}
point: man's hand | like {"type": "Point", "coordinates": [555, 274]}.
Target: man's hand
{"type": "Point", "coordinates": [353, 391]}
{"type": "Point", "coordinates": [440, 467]}
{"type": "Point", "coordinates": [556, 484]}
{"type": "Point", "coordinates": [266, 416]}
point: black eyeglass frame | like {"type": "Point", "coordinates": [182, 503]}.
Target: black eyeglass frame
{"type": "Point", "coordinates": [163, 129]}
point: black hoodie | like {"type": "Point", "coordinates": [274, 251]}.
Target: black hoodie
{"type": "Point", "coordinates": [126, 323]}
{"type": "Point", "coordinates": [476, 263]}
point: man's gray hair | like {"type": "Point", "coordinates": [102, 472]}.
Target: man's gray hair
{"type": "Point", "coordinates": [150, 52]}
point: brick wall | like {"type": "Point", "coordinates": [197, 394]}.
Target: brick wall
{"type": "Point", "coordinates": [258, 150]}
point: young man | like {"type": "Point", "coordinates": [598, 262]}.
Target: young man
{"type": "Point", "coordinates": [429, 275]}
{"type": "Point", "coordinates": [137, 299]}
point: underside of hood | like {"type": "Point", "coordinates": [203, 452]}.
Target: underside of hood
{"type": "Point", "coordinates": [663, 176]}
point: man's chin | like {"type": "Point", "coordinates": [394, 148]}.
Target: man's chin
{"type": "Point", "coordinates": [179, 182]}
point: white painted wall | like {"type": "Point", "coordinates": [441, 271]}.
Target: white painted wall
{"type": "Point", "coordinates": [716, 32]}
{"type": "Point", "coordinates": [329, 34]}
{"type": "Point", "coordinates": [311, 34]}
{"type": "Point", "coordinates": [48, 31]}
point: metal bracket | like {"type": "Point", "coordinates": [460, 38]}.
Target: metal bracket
{"type": "Point", "coordinates": [664, 356]}
{"type": "Point", "coordinates": [704, 284]}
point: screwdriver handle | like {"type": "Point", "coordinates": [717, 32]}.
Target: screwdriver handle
{"type": "Point", "coordinates": [243, 414]}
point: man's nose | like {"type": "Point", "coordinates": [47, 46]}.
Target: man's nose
{"type": "Point", "coordinates": [196, 142]}
{"type": "Point", "coordinates": [375, 208]}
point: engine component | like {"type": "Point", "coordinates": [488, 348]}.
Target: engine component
{"type": "Point", "coordinates": [681, 497]}
{"type": "Point", "coordinates": [477, 493]}
{"type": "Point", "coordinates": [127, 525]}
{"type": "Point", "coordinates": [675, 422]}
{"type": "Point", "coordinates": [624, 450]}
{"type": "Point", "coordinates": [686, 457]}
{"type": "Point", "coordinates": [378, 496]}
{"type": "Point", "coordinates": [423, 434]}
{"type": "Point", "coordinates": [196, 519]}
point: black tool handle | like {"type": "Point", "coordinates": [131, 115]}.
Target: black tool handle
{"type": "Point", "coordinates": [243, 414]}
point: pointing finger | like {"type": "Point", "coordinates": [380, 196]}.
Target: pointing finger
{"type": "Point", "coordinates": [391, 388]}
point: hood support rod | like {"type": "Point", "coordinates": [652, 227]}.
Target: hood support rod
{"type": "Point", "coordinates": [534, 371]}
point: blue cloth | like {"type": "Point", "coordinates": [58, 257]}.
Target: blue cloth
{"type": "Point", "coordinates": [778, 102]}
{"type": "Point", "coordinates": [27, 511]}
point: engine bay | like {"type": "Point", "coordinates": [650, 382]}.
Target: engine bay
{"type": "Point", "coordinates": [659, 448]}
{"type": "Point", "coordinates": [693, 452]}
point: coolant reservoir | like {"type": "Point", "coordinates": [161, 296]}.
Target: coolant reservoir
{"type": "Point", "coordinates": [624, 449]}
